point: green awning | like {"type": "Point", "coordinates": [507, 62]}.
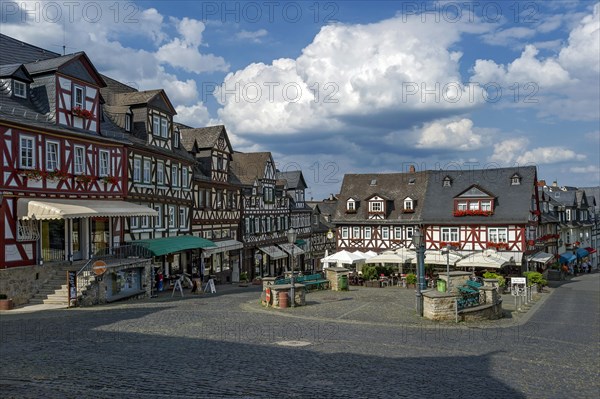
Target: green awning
{"type": "Point", "coordinates": [169, 245]}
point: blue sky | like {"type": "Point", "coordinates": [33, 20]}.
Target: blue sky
{"type": "Point", "coordinates": [357, 86]}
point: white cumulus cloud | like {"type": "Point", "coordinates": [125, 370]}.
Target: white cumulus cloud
{"type": "Point", "coordinates": [457, 135]}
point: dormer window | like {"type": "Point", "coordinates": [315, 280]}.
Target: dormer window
{"type": "Point", "coordinates": [376, 206]}
{"type": "Point", "coordinates": [351, 205]}
{"type": "Point", "coordinates": [408, 204]}
{"type": "Point", "coordinates": [373, 182]}
{"type": "Point", "coordinates": [411, 181]}
{"type": "Point", "coordinates": [176, 139]}
{"type": "Point", "coordinates": [447, 182]}
{"type": "Point", "coordinates": [128, 118]}
{"type": "Point", "coordinates": [515, 180]}
{"type": "Point", "coordinates": [78, 97]}
{"type": "Point", "coordinates": [20, 89]}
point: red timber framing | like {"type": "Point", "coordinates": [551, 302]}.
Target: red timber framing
{"type": "Point", "coordinates": [510, 238]}
{"type": "Point", "coordinates": [65, 108]}
{"type": "Point", "coordinates": [377, 238]}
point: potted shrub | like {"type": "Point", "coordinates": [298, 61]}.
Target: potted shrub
{"type": "Point", "coordinates": [411, 280]}
{"type": "Point", "coordinates": [500, 278]}
{"type": "Point", "coordinates": [537, 279]}
{"type": "Point", "coordinates": [5, 302]}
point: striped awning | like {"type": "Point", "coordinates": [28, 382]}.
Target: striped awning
{"type": "Point", "coordinates": [46, 209]}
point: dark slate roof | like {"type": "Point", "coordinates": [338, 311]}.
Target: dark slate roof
{"type": "Point", "coordinates": [394, 186]}
{"type": "Point", "coordinates": [512, 202]}
{"type": "Point", "coordinates": [51, 64]}
{"type": "Point", "coordinates": [15, 71]}
{"type": "Point", "coordinates": [593, 194]}
{"type": "Point", "coordinates": [203, 137]}
{"type": "Point", "coordinates": [13, 51]}
{"type": "Point", "coordinates": [294, 178]}
{"type": "Point", "coordinates": [136, 97]}
{"type": "Point", "coordinates": [249, 166]}
{"type": "Point", "coordinates": [566, 198]}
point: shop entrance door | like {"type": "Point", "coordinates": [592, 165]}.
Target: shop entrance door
{"type": "Point", "coordinates": [100, 233]}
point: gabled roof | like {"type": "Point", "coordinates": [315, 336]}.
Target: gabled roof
{"type": "Point", "coordinates": [475, 191]}
{"type": "Point", "coordinates": [383, 197]}
{"type": "Point", "coordinates": [295, 179]}
{"type": "Point", "coordinates": [15, 71]}
{"type": "Point", "coordinates": [13, 51]}
{"type": "Point", "coordinates": [203, 137]}
{"type": "Point", "coordinates": [393, 186]}
{"type": "Point", "coordinates": [512, 202]}
{"type": "Point", "coordinates": [66, 64]}
{"type": "Point", "coordinates": [143, 98]}
{"type": "Point", "coordinates": [250, 166]}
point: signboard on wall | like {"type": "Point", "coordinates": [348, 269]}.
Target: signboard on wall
{"type": "Point", "coordinates": [72, 287]}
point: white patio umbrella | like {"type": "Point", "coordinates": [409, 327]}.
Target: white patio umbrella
{"type": "Point", "coordinates": [388, 257]}
{"type": "Point", "coordinates": [436, 257]}
{"type": "Point", "coordinates": [343, 257]}
{"type": "Point", "coordinates": [371, 254]}
{"type": "Point", "coordinates": [364, 255]}
{"type": "Point", "coordinates": [486, 259]}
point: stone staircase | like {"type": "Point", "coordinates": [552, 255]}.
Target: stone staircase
{"type": "Point", "coordinates": [54, 291]}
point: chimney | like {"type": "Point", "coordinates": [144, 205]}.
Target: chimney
{"type": "Point", "coordinates": [411, 169]}
{"type": "Point", "coordinates": [542, 183]}
{"type": "Point", "coordinates": [554, 183]}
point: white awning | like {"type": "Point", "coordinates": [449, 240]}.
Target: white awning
{"type": "Point", "coordinates": [288, 248]}
{"type": "Point", "coordinates": [486, 259]}
{"type": "Point", "coordinates": [45, 209]}
{"type": "Point", "coordinates": [274, 252]}
{"type": "Point", "coordinates": [541, 257]}
{"type": "Point", "coordinates": [224, 246]}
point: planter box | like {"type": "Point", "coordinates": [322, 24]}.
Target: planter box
{"type": "Point", "coordinates": [372, 284]}
{"type": "Point", "coordinates": [6, 304]}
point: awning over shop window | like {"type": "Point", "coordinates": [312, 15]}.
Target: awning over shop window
{"type": "Point", "coordinates": [169, 245]}
{"type": "Point", "coordinates": [274, 252]}
{"type": "Point", "coordinates": [582, 253]}
{"type": "Point", "coordinates": [224, 246]}
{"type": "Point", "coordinates": [567, 257]}
{"type": "Point", "coordinates": [541, 257]}
{"type": "Point", "coordinates": [590, 250]}
{"type": "Point", "coordinates": [72, 209]}
{"type": "Point", "coordinates": [288, 248]}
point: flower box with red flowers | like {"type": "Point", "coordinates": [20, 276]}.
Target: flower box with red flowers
{"type": "Point", "coordinates": [455, 245]}
{"type": "Point", "coordinates": [497, 245]}
{"type": "Point", "coordinates": [82, 113]}
{"type": "Point", "coordinates": [85, 179]}
{"type": "Point", "coordinates": [473, 212]}
{"type": "Point", "coordinates": [110, 179]}
{"type": "Point", "coordinates": [56, 175]}
{"type": "Point", "coordinates": [408, 211]}
{"type": "Point", "coordinates": [32, 174]}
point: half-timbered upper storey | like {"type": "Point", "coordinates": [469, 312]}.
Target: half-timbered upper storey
{"type": "Point", "coordinates": [212, 150]}
{"type": "Point", "coordinates": [379, 211]}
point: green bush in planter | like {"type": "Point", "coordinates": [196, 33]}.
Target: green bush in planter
{"type": "Point", "coordinates": [535, 278]}
{"type": "Point", "coordinates": [500, 278]}
{"type": "Point", "coordinates": [411, 278]}
{"type": "Point", "coordinates": [369, 272]}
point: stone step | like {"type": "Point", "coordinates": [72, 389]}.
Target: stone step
{"type": "Point", "coordinates": [55, 302]}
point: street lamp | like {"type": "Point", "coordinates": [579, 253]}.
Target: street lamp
{"type": "Point", "coordinates": [417, 239]}
{"type": "Point", "coordinates": [291, 236]}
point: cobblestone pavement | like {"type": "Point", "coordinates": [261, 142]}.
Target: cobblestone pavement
{"type": "Point", "coordinates": [362, 343]}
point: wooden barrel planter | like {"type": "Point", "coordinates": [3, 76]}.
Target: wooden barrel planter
{"type": "Point", "coordinates": [6, 304]}
{"type": "Point", "coordinates": [283, 299]}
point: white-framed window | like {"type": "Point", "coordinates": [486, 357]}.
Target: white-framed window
{"type": "Point", "coordinates": [145, 222]}
{"type": "Point", "coordinates": [128, 118]}
{"type": "Point", "coordinates": [171, 215]}
{"type": "Point", "coordinates": [345, 231]}
{"type": "Point", "coordinates": [375, 206]}
{"type": "Point", "coordinates": [79, 160]}
{"type": "Point", "coordinates": [409, 232]}
{"type": "Point", "coordinates": [174, 176]}
{"type": "Point", "coordinates": [462, 206]}
{"type": "Point", "coordinates": [160, 173]}
{"type": "Point", "coordinates": [515, 180]}
{"type": "Point", "coordinates": [351, 205]}
{"type": "Point", "coordinates": [158, 218]}
{"type": "Point", "coordinates": [134, 222]}
{"type": "Point", "coordinates": [486, 205]}
{"type": "Point", "coordinates": [137, 169]}
{"type": "Point", "coordinates": [182, 217]}
{"type": "Point", "coordinates": [176, 139]}
{"type": "Point", "coordinates": [201, 196]}
{"type": "Point", "coordinates": [20, 89]}
{"type": "Point", "coordinates": [147, 170]}
{"type": "Point", "coordinates": [163, 128]}
{"type": "Point", "coordinates": [408, 204]}
{"type": "Point", "coordinates": [27, 152]}
{"type": "Point", "coordinates": [368, 233]}
{"type": "Point", "coordinates": [156, 125]}
{"type": "Point", "coordinates": [52, 159]}
{"type": "Point", "coordinates": [497, 234]}
{"type": "Point", "coordinates": [397, 233]}
{"type": "Point", "coordinates": [385, 233]}
{"type": "Point", "coordinates": [257, 225]}
{"type": "Point", "coordinates": [568, 214]}
{"type": "Point", "coordinates": [78, 97]}
{"type": "Point", "coordinates": [104, 166]}
{"type": "Point", "coordinates": [184, 177]}
{"type": "Point", "coordinates": [356, 232]}
{"type": "Point", "coordinates": [450, 234]}
{"type": "Point", "coordinates": [474, 205]}
{"type": "Point", "coordinates": [447, 182]}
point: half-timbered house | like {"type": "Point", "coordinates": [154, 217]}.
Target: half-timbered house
{"type": "Point", "coordinates": [476, 210]}
{"type": "Point", "coordinates": [216, 210]}
{"type": "Point", "coordinates": [294, 186]}
{"type": "Point", "coordinates": [159, 169]}
{"type": "Point", "coordinates": [322, 234]}
{"type": "Point", "coordinates": [379, 212]}
{"type": "Point", "coordinates": [265, 214]}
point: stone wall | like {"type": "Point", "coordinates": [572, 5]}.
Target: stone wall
{"type": "Point", "coordinates": [299, 294]}
{"type": "Point", "coordinates": [438, 305]}
{"type": "Point", "coordinates": [457, 279]}
{"type": "Point", "coordinates": [333, 274]}
{"type": "Point", "coordinates": [22, 283]}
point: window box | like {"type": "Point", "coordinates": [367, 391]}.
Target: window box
{"type": "Point", "coordinates": [454, 244]}
{"type": "Point", "coordinates": [497, 245]}
{"type": "Point", "coordinates": [472, 212]}
{"type": "Point", "coordinates": [408, 210]}
{"type": "Point", "coordinates": [57, 175]}
{"type": "Point", "coordinates": [82, 113]}
{"type": "Point", "coordinates": [32, 174]}
{"type": "Point", "coordinates": [110, 180]}
{"type": "Point", "coordinates": [85, 179]}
